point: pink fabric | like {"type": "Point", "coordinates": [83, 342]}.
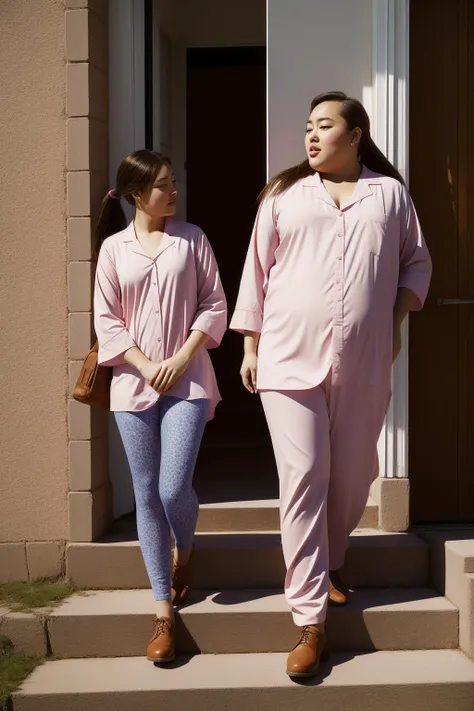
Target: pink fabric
{"type": "Point", "coordinates": [325, 444]}
{"type": "Point", "coordinates": [154, 304]}
{"type": "Point", "coordinates": [320, 283]}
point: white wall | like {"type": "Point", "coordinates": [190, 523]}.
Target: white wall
{"type": "Point", "coordinates": [313, 46]}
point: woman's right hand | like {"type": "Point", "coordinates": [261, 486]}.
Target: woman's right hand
{"type": "Point", "coordinates": [248, 372]}
{"type": "Point", "coordinates": [150, 370]}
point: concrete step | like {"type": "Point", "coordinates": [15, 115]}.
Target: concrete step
{"type": "Point", "coordinates": [251, 560]}
{"type": "Point", "coordinates": [236, 516]}
{"type": "Point", "coordinates": [119, 623]}
{"type": "Point", "coordinates": [420, 680]}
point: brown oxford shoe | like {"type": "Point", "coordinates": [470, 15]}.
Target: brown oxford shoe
{"type": "Point", "coordinates": [312, 648]}
{"type": "Point", "coordinates": [161, 647]}
{"type": "Point", "coordinates": [338, 591]}
{"type": "Point", "coordinates": [182, 577]}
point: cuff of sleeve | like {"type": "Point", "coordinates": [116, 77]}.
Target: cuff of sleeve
{"type": "Point", "coordinates": [246, 321]}
{"type": "Point", "coordinates": [110, 352]}
{"type": "Point", "coordinates": [412, 282]}
{"type": "Point", "coordinates": [212, 326]}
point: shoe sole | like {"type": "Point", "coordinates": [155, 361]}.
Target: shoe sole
{"type": "Point", "coordinates": [165, 660]}
{"type": "Point", "coordinates": [333, 603]}
{"type": "Point", "coordinates": [303, 675]}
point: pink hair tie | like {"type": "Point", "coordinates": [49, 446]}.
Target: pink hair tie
{"type": "Point", "coordinates": [113, 194]}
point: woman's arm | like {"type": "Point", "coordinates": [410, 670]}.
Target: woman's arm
{"type": "Point", "coordinates": [171, 369]}
{"type": "Point", "coordinates": [109, 324]}
{"type": "Point", "coordinates": [415, 268]}
{"type": "Point", "coordinates": [211, 313]}
{"type": "Point", "coordinates": [248, 314]}
{"type": "Point", "coordinates": [248, 370]}
{"type": "Point", "coordinates": [406, 301]}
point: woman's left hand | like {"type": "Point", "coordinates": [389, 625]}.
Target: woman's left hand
{"type": "Point", "coordinates": [170, 372]}
{"type": "Point", "coordinates": [397, 341]}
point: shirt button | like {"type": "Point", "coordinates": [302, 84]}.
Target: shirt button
{"type": "Point", "coordinates": [153, 283]}
{"type": "Point", "coordinates": [157, 311]}
{"type": "Point", "coordinates": [159, 340]}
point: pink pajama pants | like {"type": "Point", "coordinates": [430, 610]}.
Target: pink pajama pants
{"type": "Point", "coordinates": [325, 444]}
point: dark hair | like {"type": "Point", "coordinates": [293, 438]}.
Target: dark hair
{"type": "Point", "coordinates": [355, 116]}
{"type": "Point", "coordinates": [136, 174]}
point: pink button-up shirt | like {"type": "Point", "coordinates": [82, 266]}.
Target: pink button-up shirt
{"type": "Point", "coordinates": [320, 283]}
{"type": "Point", "coordinates": [154, 304]}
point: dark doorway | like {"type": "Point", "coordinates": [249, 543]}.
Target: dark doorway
{"type": "Point", "coordinates": [226, 170]}
{"type": "Point", "coordinates": [442, 186]}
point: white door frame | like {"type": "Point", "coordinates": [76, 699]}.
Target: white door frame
{"type": "Point", "coordinates": [126, 134]}
{"type": "Point", "coordinates": [391, 27]}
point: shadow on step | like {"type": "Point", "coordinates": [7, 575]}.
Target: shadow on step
{"type": "Point", "coordinates": [326, 667]}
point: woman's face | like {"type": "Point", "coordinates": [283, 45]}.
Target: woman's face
{"type": "Point", "coordinates": [330, 146]}
{"type": "Point", "coordinates": [161, 200]}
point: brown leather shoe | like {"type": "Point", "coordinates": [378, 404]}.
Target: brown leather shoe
{"type": "Point", "coordinates": [161, 647]}
{"type": "Point", "coordinates": [182, 577]}
{"type": "Point", "coordinates": [311, 649]}
{"type": "Point", "coordinates": [338, 591]}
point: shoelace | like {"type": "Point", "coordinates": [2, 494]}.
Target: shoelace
{"type": "Point", "coordinates": [307, 635]}
{"type": "Point", "coordinates": [161, 626]}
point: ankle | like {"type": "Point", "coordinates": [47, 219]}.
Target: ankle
{"type": "Point", "coordinates": [164, 608]}
{"type": "Point", "coordinates": [182, 557]}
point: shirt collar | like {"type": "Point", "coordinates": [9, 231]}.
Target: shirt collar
{"type": "Point", "coordinates": [362, 189]}
{"type": "Point", "coordinates": [129, 237]}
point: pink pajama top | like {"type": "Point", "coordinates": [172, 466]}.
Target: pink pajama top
{"type": "Point", "coordinates": [154, 304]}
{"type": "Point", "coordinates": [320, 283]}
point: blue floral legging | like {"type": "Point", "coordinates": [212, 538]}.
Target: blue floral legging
{"type": "Point", "coordinates": [162, 445]}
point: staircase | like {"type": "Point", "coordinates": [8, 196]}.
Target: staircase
{"type": "Point", "coordinates": [394, 648]}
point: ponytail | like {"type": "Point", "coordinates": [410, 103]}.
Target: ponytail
{"type": "Point", "coordinates": [136, 175]}
{"type": "Point", "coordinates": [112, 219]}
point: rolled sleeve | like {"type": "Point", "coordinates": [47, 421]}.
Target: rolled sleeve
{"type": "Point", "coordinates": [211, 314]}
{"type": "Point", "coordinates": [246, 321]}
{"type": "Point", "coordinates": [248, 314]}
{"type": "Point", "coordinates": [415, 261]}
{"type": "Point", "coordinates": [112, 334]}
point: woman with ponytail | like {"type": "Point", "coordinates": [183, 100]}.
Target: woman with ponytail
{"type": "Point", "coordinates": [158, 307]}
{"type": "Point", "coordinates": [336, 261]}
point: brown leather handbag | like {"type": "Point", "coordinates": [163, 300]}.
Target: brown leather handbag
{"type": "Point", "coordinates": [93, 384]}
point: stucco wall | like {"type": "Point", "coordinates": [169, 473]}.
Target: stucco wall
{"type": "Point", "coordinates": [313, 46]}
{"type": "Point", "coordinates": [33, 295]}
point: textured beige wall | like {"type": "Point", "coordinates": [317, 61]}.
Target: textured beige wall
{"type": "Point", "coordinates": [33, 253]}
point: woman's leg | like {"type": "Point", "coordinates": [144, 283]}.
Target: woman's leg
{"type": "Point", "coordinates": [299, 428]}
{"type": "Point", "coordinates": [357, 414]}
{"type": "Point", "coordinates": [182, 427]}
{"type": "Point", "coordinates": [140, 433]}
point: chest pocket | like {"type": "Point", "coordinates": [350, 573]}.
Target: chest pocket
{"type": "Point", "coordinates": [375, 218]}
{"type": "Point", "coordinates": [374, 229]}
